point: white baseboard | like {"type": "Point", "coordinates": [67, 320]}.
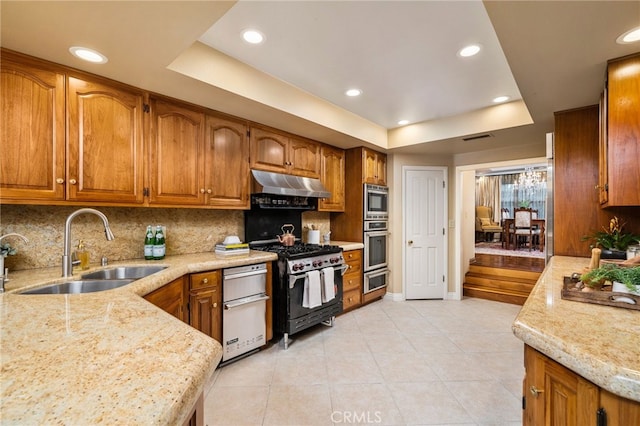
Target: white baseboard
{"type": "Point", "coordinates": [453, 295]}
{"type": "Point", "coordinates": [396, 297]}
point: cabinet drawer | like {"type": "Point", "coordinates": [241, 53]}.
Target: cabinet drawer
{"type": "Point", "coordinates": [350, 299]}
{"type": "Point", "coordinates": [204, 280]}
{"type": "Point", "coordinates": [353, 258]}
{"type": "Point", "coordinates": [352, 282]}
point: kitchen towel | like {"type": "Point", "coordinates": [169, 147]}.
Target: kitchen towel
{"type": "Point", "coordinates": [328, 289]}
{"type": "Point", "coordinates": [312, 295]}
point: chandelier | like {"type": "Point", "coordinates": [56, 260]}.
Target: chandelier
{"type": "Point", "coordinates": [530, 179]}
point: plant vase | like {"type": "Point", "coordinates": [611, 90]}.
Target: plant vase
{"type": "Point", "coordinates": [619, 287]}
{"type": "Point", "coordinates": [613, 254]}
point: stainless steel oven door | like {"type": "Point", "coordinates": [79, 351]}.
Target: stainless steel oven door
{"type": "Point", "coordinates": [376, 279]}
{"type": "Point", "coordinates": [375, 250]}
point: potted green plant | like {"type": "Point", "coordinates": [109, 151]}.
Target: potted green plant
{"type": "Point", "coordinates": [629, 277]}
{"type": "Point", "coordinates": [614, 241]}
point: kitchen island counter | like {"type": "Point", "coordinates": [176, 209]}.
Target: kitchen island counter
{"type": "Point", "coordinates": [104, 358]}
{"type": "Point", "coordinates": [600, 343]}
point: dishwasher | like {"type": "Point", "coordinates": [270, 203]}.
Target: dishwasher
{"type": "Point", "coordinates": [244, 302]}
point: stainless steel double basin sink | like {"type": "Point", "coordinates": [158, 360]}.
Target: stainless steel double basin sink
{"type": "Point", "coordinates": [105, 279]}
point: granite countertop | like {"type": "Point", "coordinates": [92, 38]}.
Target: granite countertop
{"type": "Point", "coordinates": [600, 343]}
{"type": "Point", "coordinates": [348, 245]}
{"type": "Point", "coordinates": [109, 357]}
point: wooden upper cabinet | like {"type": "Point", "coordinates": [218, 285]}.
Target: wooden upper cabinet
{"type": "Point", "coordinates": [623, 131]}
{"type": "Point", "coordinates": [269, 151]}
{"type": "Point", "coordinates": [177, 161]}
{"type": "Point", "coordinates": [33, 130]}
{"type": "Point", "coordinates": [374, 167]}
{"type": "Point", "coordinates": [105, 142]}
{"type": "Point", "coordinates": [332, 175]}
{"type": "Point", "coordinates": [274, 152]}
{"type": "Point", "coordinates": [304, 157]}
{"type": "Point", "coordinates": [226, 153]}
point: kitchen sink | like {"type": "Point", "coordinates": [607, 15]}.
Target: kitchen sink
{"type": "Point", "coordinates": [79, 286]}
{"type": "Point", "coordinates": [123, 272]}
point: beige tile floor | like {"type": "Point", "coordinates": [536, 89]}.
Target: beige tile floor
{"type": "Point", "coordinates": [425, 362]}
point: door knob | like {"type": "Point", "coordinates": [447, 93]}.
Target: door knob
{"type": "Point", "coordinates": [410, 241]}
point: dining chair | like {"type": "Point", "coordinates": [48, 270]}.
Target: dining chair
{"type": "Point", "coordinates": [523, 228]}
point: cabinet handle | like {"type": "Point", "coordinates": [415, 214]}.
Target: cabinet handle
{"type": "Point", "coordinates": [209, 191]}
{"type": "Point", "coordinates": [206, 280]}
{"type": "Point", "coordinates": [73, 181]}
{"type": "Point", "coordinates": [215, 304]}
{"type": "Point", "coordinates": [59, 180]}
{"type": "Point", "coordinates": [350, 255]}
{"type": "Point", "coordinates": [535, 391]}
{"type": "Point", "coordinates": [202, 190]}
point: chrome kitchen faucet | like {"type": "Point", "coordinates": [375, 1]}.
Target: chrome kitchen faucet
{"type": "Point", "coordinates": [67, 266]}
{"type": "Point", "coordinates": [3, 270]}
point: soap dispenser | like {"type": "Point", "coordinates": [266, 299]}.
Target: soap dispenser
{"type": "Point", "coordinates": [82, 255]}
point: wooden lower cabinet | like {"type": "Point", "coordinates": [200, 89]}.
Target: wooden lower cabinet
{"type": "Point", "coordinates": [170, 298]}
{"type": "Point", "coordinates": [352, 280]}
{"type": "Point", "coordinates": [555, 395]}
{"type": "Point", "coordinates": [205, 303]}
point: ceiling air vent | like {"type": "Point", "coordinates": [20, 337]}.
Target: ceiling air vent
{"type": "Point", "coordinates": [473, 138]}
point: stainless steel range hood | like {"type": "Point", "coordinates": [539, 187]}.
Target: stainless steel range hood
{"type": "Point", "coordinates": [280, 184]}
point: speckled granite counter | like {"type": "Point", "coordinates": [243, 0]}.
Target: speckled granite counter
{"type": "Point", "coordinates": [104, 358]}
{"type": "Point", "coordinates": [348, 245]}
{"type": "Point", "coordinates": [600, 343]}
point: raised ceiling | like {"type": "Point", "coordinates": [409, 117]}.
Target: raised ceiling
{"type": "Point", "coordinates": [550, 55]}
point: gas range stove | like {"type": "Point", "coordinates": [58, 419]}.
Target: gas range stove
{"type": "Point", "coordinates": [301, 258]}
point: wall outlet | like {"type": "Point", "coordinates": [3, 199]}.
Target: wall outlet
{"type": "Point", "coordinates": [452, 223]}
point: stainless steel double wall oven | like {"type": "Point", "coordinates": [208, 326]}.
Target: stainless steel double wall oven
{"type": "Point", "coordinates": [376, 237]}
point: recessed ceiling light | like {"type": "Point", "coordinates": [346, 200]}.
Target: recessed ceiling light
{"type": "Point", "coordinates": [500, 99]}
{"type": "Point", "coordinates": [253, 36]}
{"type": "Point", "coordinates": [87, 54]}
{"type": "Point", "coordinates": [403, 122]}
{"type": "Point", "coordinates": [353, 92]}
{"type": "Point", "coordinates": [630, 36]}
{"type": "Point", "coordinates": [470, 50]}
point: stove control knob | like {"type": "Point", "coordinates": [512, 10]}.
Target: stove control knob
{"type": "Point", "coordinates": [296, 266]}
{"type": "Point", "coordinates": [316, 263]}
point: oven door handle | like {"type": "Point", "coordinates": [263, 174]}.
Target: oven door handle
{"type": "Point", "coordinates": [246, 301]}
{"type": "Point", "coordinates": [343, 269]}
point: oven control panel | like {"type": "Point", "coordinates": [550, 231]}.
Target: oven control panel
{"type": "Point", "coordinates": [299, 266]}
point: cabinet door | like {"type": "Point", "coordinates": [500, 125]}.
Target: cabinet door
{"type": "Point", "coordinates": [170, 298]}
{"type": "Point", "coordinates": [556, 395]}
{"type": "Point", "coordinates": [374, 167]}
{"type": "Point", "coordinates": [205, 303]}
{"type": "Point", "coordinates": [269, 151]}
{"type": "Point", "coordinates": [32, 134]}
{"type": "Point", "coordinates": [177, 160]}
{"type": "Point", "coordinates": [304, 158]}
{"type": "Point", "coordinates": [623, 131]}
{"type": "Point", "coordinates": [105, 158]}
{"type": "Point", "coordinates": [226, 163]}
{"type": "Point", "coordinates": [332, 175]}
{"type": "Point", "coordinates": [620, 411]}
{"type": "Point", "coordinates": [381, 169]}
{"type": "Point", "coordinates": [370, 166]}
{"type": "Point", "coordinates": [206, 312]}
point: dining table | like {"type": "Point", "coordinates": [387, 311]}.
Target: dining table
{"type": "Point", "coordinates": [508, 223]}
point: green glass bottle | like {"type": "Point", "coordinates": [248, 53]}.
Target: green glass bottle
{"type": "Point", "coordinates": [149, 242]}
{"type": "Point", "coordinates": [159, 245]}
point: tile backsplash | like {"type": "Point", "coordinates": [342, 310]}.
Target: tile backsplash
{"type": "Point", "coordinates": [187, 231]}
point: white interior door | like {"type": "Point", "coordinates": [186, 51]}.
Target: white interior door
{"type": "Point", "coordinates": [425, 210]}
